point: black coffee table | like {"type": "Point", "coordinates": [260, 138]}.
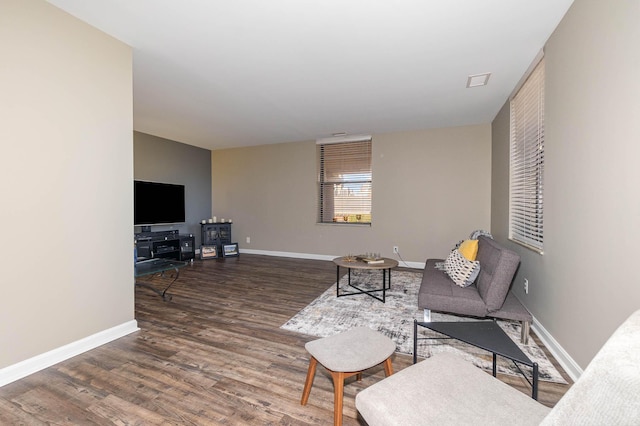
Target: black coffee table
{"type": "Point", "coordinates": [485, 335]}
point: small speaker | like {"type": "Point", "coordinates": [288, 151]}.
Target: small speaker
{"type": "Point", "coordinates": [186, 246]}
{"type": "Point", "coordinates": [187, 249]}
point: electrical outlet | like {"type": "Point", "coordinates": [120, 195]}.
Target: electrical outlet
{"type": "Point", "coordinates": [248, 240]}
{"type": "Point", "coordinates": [526, 286]}
{"type": "Point", "coordinates": [396, 250]}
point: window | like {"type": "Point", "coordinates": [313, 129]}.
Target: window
{"type": "Point", "coordinates": [526, 181]}
{"type": "Point", "coordinates": [344, 182]}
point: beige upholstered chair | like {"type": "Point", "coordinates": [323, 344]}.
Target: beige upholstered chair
{"type": "Point", "coordinates": [445, 389]}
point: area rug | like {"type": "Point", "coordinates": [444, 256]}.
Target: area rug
{"type": "Point", "coordinates": [328, 315]}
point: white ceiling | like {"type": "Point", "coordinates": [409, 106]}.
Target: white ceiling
{"type": "Point", "coordinates": [217, 74]}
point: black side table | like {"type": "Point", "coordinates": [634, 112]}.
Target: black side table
{"type": "Point", "coordinates": [485, 335]}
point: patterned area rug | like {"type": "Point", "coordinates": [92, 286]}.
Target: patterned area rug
{"type": "Point", "coordinates": [328, 315]}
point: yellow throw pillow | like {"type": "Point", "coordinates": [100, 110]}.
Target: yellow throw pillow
{"type": "Point", "coordinates": [469, 249]}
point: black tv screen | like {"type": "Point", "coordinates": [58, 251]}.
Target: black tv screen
{"type": "Point", "coordinates": [156, 203]}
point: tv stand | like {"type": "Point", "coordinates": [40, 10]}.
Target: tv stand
{"type": "Point", "coordinates": [164, 245]}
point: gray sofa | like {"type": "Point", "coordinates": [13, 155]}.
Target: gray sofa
{"type": "Point", "coordinates": [446, 390]}
{"type": "Point", "coordinates": [489, 296]}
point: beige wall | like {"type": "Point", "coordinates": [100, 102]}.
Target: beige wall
{"type": "Point", "coordinates": [65, 180]}
{"type": "Point", "coordinates": [586, 283]}
{"type": "Point", "coordinates": [431, 189]}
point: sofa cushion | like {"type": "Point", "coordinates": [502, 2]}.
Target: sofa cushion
{"type": "Point", "coordinates": [462, 271]}
{"type": "Point", "coordinates": [439, 293]}
{"type": "Point", "coordinates": [498, 265]}
{"type": "Point", "coordinates": [512, 309]}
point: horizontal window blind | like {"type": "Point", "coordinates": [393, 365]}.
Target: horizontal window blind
{"type": "Point", "coordinates": [345, 182]}
{"type": "Point", "coordinates": [526, 183]}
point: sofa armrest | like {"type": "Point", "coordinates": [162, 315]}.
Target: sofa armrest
{"type": "Point", "coordinates": [608, 390]}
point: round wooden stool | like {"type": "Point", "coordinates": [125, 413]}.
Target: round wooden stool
{"type": "Point", "coordinates": [344, 355]}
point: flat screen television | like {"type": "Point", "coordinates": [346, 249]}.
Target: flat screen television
{"type": "Point", "coordinates": [157, 203]}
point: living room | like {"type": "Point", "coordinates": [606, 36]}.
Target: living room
{"type": "Point", "coordinates": [70, 166]}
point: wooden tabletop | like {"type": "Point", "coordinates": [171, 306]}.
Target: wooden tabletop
{"type": "Point", "coordinates": [359, 264]}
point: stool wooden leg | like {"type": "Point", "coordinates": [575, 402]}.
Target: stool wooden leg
{"type": "Point", "coordinates": [338, 385]}
{"type": "Point", "coordinates": [311, 372]}
{"type": "Point", "coordinates": [388, 368]}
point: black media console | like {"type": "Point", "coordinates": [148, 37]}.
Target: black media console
{"type": "Point", "coordinates": [164, 244]}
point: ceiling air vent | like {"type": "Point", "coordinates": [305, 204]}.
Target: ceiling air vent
{"type": "Point", "coordinates": [478, 80]}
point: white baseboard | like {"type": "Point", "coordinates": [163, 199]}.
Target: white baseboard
{"type": "Point", "coordinates": [401, 264]}
{"type": "Point", "coordinates": [40, 362]}
{"type": "Point", "coordinates": [570, 366]}
{"type": "Point", "coordinates": [288, 254]}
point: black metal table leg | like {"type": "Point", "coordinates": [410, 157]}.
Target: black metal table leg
{"type": "Point", "coordinates": [494, 364]}
{"type": "Point", "coordinates": [163, 293]}
{"type": "Point", "coordinates": [384, 286]}
{"type": "Point", "coordinates": [175, 278]}
{"type": "Point", "coordinates": [415, 341]}
{"type": "Point", "coordinates": [534, 386]}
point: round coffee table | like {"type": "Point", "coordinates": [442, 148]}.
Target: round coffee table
{"type": "Point", "coordinates": [385, 266]}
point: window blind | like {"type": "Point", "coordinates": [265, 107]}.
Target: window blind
{"type": "Point", "coordinates": [345, 186]}
{"type": "Point", "coordinates": [526, 183]}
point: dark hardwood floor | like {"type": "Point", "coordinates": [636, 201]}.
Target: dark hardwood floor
{"type": "Point", "coordinates": [214, 354]}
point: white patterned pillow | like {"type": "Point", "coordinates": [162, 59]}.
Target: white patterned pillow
{"type": "Point", "coordinates": [463, 272]}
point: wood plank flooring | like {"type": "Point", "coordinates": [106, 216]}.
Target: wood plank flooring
{"type": "Point", "coordinates": [214, 354]}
